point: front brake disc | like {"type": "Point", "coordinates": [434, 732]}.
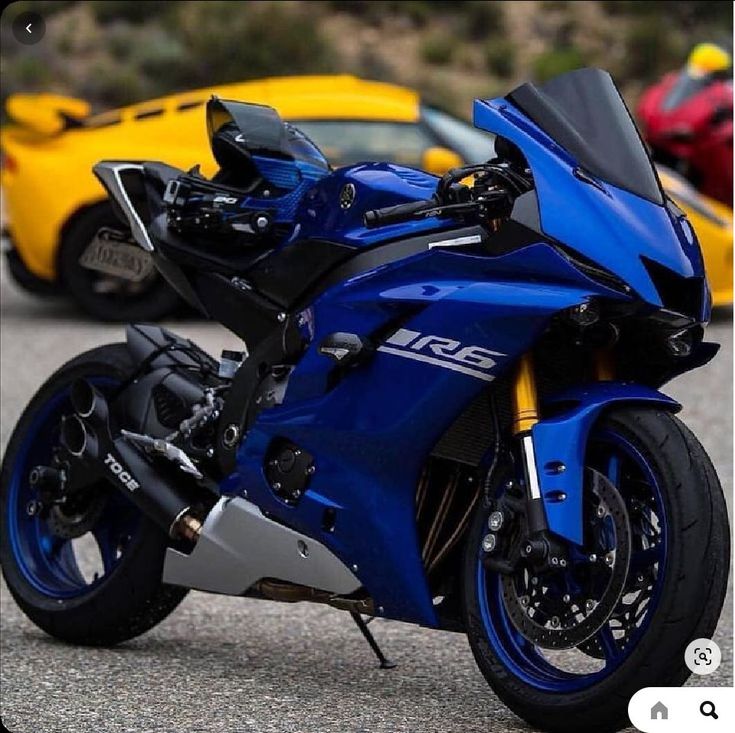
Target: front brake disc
{"type": "Point", "coordinates": [563, 608]}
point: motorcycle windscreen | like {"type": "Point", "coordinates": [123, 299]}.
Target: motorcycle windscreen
{"type": "Point", "coordinates": [683, 89]}
{"type": "Point", "coordinates": [584, 113]}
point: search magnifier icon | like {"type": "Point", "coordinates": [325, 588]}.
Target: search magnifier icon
{"type": "Point", "coordinates": [707, 709]}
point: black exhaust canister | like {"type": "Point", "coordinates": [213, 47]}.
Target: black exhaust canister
{"type": "Point", "coordinates": [88, 438]}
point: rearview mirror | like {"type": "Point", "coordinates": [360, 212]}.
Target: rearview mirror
{"type": "Point", "coordinates": [439, 160]}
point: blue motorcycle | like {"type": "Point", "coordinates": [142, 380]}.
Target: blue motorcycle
{"type": "Point", "coordinates": [445, 412]}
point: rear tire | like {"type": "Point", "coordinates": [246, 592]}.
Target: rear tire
{"type": "Point", "coordinates": [125, 602]}
{"type": "Point", "coordinates": [152, 302]}
{"type": "Point", "coordinates": [692, 592]}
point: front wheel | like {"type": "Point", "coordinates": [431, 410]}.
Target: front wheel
{"type": "Point", "coordinates": [659, 496]}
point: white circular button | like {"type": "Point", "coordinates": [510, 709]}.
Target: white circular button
{"type": "Point", "coordinates": [703, 656]}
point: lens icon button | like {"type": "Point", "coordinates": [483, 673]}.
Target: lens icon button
{"type": "Point", "coordinates": [703, 656]}
{"type": "Point", "coordinates": [707, 709]}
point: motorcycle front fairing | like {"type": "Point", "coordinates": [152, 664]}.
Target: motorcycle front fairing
{"type": "Point", "coordinates": [606, 203]}
{"type": "Point", "coordinates": [621, 221]}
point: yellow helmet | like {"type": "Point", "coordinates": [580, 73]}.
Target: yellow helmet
{"type": "Point", "coordinates": [708, 58]}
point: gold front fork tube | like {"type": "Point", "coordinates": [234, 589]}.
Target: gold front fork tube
{"type": "Point", "coordinates": [525, 416]}
{"type": "Point", "coordinates": [525, 399]}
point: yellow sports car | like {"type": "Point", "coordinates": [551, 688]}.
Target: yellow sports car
{"type": "Point", "coordinates": [62, 234]}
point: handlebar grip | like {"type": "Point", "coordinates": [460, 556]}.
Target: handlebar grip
{"type": "Point", "coordinates": [399, 212]}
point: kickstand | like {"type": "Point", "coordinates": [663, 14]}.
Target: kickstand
{"type": "Point", "coordinates": [385, 663]}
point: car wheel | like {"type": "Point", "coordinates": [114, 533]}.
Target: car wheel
{"type": "Point", "coordinates": [23, 277]}
{"type": "Point", "coordinates": [97, 267]}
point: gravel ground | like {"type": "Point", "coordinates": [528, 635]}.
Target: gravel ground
{"type": "Point", "coordinates": [233, 665]}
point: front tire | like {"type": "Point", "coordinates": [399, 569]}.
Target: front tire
{"type": "Point", "coordinates": [688, 584]}
{"type": "Point", "coordinates": [49, 575]}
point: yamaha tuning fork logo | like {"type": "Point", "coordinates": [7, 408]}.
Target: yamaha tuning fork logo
{"type": "Point", "coordinates": [475, 361]}
{"type": "Point", "coordinates": [347, 196]}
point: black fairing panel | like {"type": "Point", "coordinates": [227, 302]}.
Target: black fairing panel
{"type": "Point", "coordinates": [204, 253]}
{"type": "Point", "coordinates": [240, 309]}
{"type": "Point", "coordinates": [290, 272]}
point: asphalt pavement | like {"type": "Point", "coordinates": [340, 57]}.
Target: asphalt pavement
{"type": "Point", "coordinates": [233, 666]}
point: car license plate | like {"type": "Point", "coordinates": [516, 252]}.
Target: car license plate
{"type": "Point", "coordinates": [112, 253]}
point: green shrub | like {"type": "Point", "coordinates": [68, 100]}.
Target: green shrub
{"type": "Point", "coordinates": [479, 16]}
{"type": "Point", "coordinates": [114, 85]}
{"type": "Point", "coordinates": [482, 20]}
{"type": "Point", "coordinates": [418, 11]}
{"type": "Point", "coordinates": [500, 57]}
{"type": "Point", "coordinates": [163, 57]}
{"type": "Point", "coordinates": [557, 61]}
{"type": "Point", "coordinates": [30, 72]}
{"type": "Point", "coordinates": [121, 41]}
{"type": "Point", "coordinates": [373, 12]}
{"type": "Point", "coordinates": [45, 8]}
{"type": "Point", "coordinates": [676, 14]}
{"type": "Point", "coordinates": [263, 40]}
{"type": "Point", "coordinates": [437, 49]}
{"type": "Point", "coordinates": [132, 11]}
{"type": "Point", "coordinates": [650, 48]}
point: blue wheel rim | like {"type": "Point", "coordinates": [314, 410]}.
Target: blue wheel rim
{"type": "Point", "coordinates": [625, 466]}
{"type": "Point", "coordinates": [49, 563]}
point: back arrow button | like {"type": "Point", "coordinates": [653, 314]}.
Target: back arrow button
{"type": "Point", "coordinates": [28, 28]}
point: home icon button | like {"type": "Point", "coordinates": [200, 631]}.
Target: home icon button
{"type": "Point", "coordinates": [659, 712]}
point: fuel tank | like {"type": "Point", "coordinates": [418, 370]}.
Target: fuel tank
{"type": "Point", "coordinates": [334, 207]}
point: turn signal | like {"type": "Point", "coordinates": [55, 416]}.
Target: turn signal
{"type": "Point", "coordinates": [584, 314]}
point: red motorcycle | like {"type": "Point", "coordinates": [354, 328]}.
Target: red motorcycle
{"type": "Point", "coordinates": [686, 118]}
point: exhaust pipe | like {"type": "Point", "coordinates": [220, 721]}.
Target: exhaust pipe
{"type": "Point", "coordinates": [88, 438]}
{"type": "Point", "coordinates": [76, 438]}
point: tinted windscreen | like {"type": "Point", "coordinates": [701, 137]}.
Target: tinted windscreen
{"type": "Point", "coordinates": [685, 87]}
{"type": "Point", "coordinates": [584, 112]}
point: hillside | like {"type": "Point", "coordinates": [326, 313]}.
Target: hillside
{"type": "Point", "coordinates": [114, 53]}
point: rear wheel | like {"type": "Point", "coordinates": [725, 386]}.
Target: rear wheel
{"type": "Point", "coordinates": [662, 509]}
{"type": "Point", "coordinates": [105, 296]}
{"type": "Point", "coordinates": [87, 570]}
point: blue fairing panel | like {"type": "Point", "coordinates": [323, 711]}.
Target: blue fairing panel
{"type": "Point", "coordinates": [320, 215]}
{"type": "Point", "coordinates": [610, 226]}
{"type": "Point", "coordinates": [563, 440]}
{"type": "Point", "coordinates": [372, 428]}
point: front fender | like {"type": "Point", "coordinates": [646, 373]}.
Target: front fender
{"type": "Point", "coordinates": [560, 444]}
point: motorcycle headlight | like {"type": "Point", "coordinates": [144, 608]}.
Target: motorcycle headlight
{"type": "Point", "coordinates": [680, 344]}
